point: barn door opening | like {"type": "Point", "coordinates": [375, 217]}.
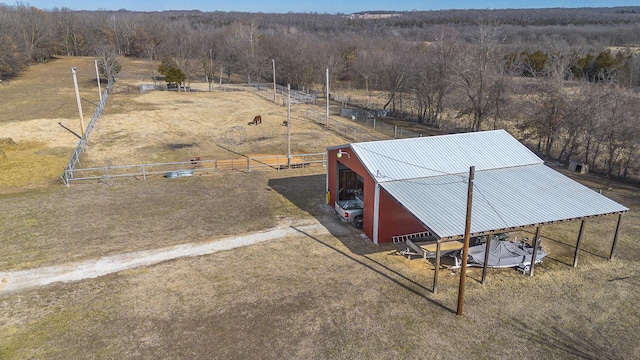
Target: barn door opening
{"type": "Point", "coordinates": [350, 184]}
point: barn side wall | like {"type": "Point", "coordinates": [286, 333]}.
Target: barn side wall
{"type": "Point", "coordinates": [395, 220]}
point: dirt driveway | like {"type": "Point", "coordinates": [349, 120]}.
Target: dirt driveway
{"type": "Point", "coordinates": [32, 278]}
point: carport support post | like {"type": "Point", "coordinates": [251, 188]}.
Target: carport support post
{"type": "Point", "coordinates": [465, 248]}
{"type": "Point", "coordinates": [535, 251]}
{"type": "Point", "coordinates": [575, 256]}
{"type": "Point", "coordinates": [615, 237]}
{"type": "Point", "coordinates": [487, 246]}
{"type": "Point", "coordinates": [437, 270]}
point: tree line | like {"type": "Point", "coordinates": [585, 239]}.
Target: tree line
{"type": "Point", "coordinates": [565, 79]}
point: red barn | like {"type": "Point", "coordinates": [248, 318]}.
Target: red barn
{"type": "Point", "coordinates": [419, 186]}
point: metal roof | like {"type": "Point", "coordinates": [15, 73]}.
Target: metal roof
{"type": "Point", "coordinates": [437, 155]}
{"type": "Point", "coordinates": [503, 199]}
{"type": "Point", "coordinates": [512, 187]}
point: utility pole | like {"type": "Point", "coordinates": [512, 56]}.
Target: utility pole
{"type": "Point", "coordinates": [326, 123]}
{"type": "Point", "coordinates": [465, 248]}
{"type": "Point", "coordinates": [274, 79]}
{"type": "Point", "coordinates": [75, 83]}
{"type": "Point", "coordinates": [288, 126]}
{"type": "Point", "coordinates": [211, 80]}
{"type": "Point", "coordinates": [220, 75]}
{"type": "Point", "coordinates": [98, 78]}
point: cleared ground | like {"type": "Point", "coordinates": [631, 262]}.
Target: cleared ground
{"type": "Point", "coordinates": [304, 296]}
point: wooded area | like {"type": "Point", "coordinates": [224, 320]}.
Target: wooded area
{"type": "Point", "coordinates": [564, 80]}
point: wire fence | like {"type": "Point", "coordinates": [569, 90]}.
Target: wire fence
{"type": "Point", "coordinates": [281, 93]}
{"type": "Point", "coordinates": [77, 152]}
{"type": "Point", "coordinates": [368, 118]}
{"type": "Point", "coordinates": [197, 167]}
{"type": "Point", "coordinates": [378, 129]}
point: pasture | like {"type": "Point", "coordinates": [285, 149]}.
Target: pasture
{"type": "Point", "coordinates": [309, 296]}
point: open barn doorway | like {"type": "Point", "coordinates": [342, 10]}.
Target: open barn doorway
{"type": "Point", "coordinates": [350, 184]}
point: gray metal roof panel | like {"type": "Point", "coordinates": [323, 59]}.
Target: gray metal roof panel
{"type": "Point", "coordinates": [502, 198]}
{"type": "Point", "coordinates": [447, 154]}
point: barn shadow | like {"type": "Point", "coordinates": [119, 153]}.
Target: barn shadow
{"type": "Point", "coordinates": [307, 193]}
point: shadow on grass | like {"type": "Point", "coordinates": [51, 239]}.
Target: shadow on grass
{"type": "Point", "coordinates": [306, 192]}
{"type": "Point", "coordinates": [572, 343]}
{"type": "Point", "coordinates": [384, 271]}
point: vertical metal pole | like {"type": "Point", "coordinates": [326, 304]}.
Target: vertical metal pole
{"type": "Point", "coordinates": [487, 247]}
{"type": "Point", "coordinates": [376, 213]}
{"type": "Point", "coordinates": [535, 251]}
{"type": "Point", "coordinates": [274, 79]}
{"type": "Point", "coordinates": [437, 269]}
{"type": "Point", "coordinates": [75, 83]}
{"type": "Point", "coordinates": [327, 117]}
{"type": "Point", "coordinates": [98, 79]}
{"type": "Point", "coordinates": [211, 80]}
{"type": "Point", "coordinates": [615, 237]}
{"type": "Point", "coordinates": [575, 255]}
{"type": "Point", "coordinates": [288, 126]}
{"type": "Point", "coordinates": [465, 248]}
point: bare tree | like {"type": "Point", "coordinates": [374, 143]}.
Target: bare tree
{"type": "Point", "coordinates": [181, 47]}
{"type": "Point", "coordinates": [208, 55]}
{"type": "Point", "coordinates": [33, 27]}
{"type": "Point", "coordinates": [432, 72]}
{"type": "Point", "coordinates": [476, 74]}
{"type": "Point", "coordinates": [10, 55]}
{"type": "Point", "coordinates": [620, 129]}
{"type": "Point", "coordinates": [393, 73]}
{"type": "Point", "coordinates": [551, 106]}
{"type": "Point", "coordinates": [364, 67]}
{"type": "Point", "coordinates": [244, 41]}
{"type": "Point", "coordinates": [108, 64]}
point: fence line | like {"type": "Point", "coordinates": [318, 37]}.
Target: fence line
{"type": "Point", "coordinates": [189, 168]}
{"type": "Point", "coordinates": [345, 129]}
{"type": "Point", "coordinates": [75, 156]}
{"type": "Point", "coordinates": [365, 117]}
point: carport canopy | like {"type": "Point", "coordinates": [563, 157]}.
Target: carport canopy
{"type": "Point", "coordinates": [504, 200]}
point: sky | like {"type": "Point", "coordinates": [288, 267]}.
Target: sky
{"type": "Point", "coordinates": [318, 6]}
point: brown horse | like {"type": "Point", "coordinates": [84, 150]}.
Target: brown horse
{"type": "Point", "coordinates": [257, 120]}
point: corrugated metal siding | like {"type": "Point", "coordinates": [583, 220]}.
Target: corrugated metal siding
{"type": "Point", "coordinates": [395, 220]}
{"type": "Point", "coordinates": [438, 155]}
{"type": "Point", "coordinates": [502, 198]}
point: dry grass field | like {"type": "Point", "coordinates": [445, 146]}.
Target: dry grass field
{"type": "Point", "coordinates": [330, 296]}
